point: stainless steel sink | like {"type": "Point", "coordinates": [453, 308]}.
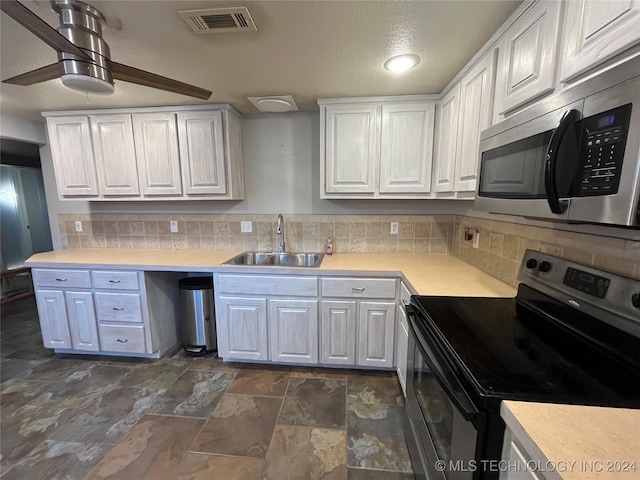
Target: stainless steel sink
{"type": "Point", "coordinates": [309, 260]}
{"type": "Point", "coordinates": [249, 258]}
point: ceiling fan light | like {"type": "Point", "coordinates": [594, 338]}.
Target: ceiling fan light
{"type": "Point", "coordinates": [86, 84]}
{"type": "Point", "coordinates": [402, 63]}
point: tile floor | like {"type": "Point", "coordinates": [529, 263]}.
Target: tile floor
{"type": "Point", "coordinates": [96, 417]}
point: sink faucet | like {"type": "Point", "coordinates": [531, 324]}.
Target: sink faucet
{"type": "Point", "coordinates": [280, 231]}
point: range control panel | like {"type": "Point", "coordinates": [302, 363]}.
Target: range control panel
{"type": "Point", "coordinates": [603, 144]}
{"type": "Point", "coordinates": [586, 282]}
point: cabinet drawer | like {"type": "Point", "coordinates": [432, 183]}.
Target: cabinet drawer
{"type": "Point", "coordinates": [115, 280]}
{"type": "Point", "coordinates": [359, 287]}
{"type": "Point", "coordinates": [119, 307]}
{"type": "Point", "coordinates": [61, 278]}
{"type": "Point", "coordinates": [123, 338]}
{"type": "Point", "coordinates": [268, 285]}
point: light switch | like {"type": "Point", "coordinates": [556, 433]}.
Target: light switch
{"type": "Point", "coordinates": [173, 224]}
{"type": "Point", "coordinates": [78, 226]}
{"type": "Point", "coordinates": [246, 227]}
{"type": "Point", "coordinates": [394, 228]}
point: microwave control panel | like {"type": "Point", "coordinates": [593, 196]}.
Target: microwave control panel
{"type": "Point", "coordinates": [603, 143]}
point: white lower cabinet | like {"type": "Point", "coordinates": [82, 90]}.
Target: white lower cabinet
{"type": "Point", "coordinates": [376, 326]}
{"type": "Point", "coordinates": [293, 331]}
{"type": "Point", "coordinates": [402, 337]}
{"type": "Point", "coordinates": [357, 326]}
{"type": "Point", "coordinates": [267, 317]}
{"type": "Point", "coordinates": [514, 455]}
{"type": "Point", "coordinates": [53, 318]}
{"type": "Point", "coordinates": [242, 328]}
{"type": "Point", "coordinates": [111, 311]}
{"type": "Point", "coordinates": [338, 332]}
{"type": "Point", "coordinates": [82, 321]}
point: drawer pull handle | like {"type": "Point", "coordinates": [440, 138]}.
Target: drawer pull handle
{"type": "Point", "coordinates": [118, 309]}
{"type": "Point", "coordinates": [61, 279]}
{"type": "Point", "coordinates": [358, 289]}
{"type": "Point", "coordinates": [114, 281]}
{"type": "Point", "coordinates": [122, 340]}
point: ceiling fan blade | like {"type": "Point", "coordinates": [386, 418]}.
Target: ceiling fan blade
{"type": "Point", "coordinates": [148, 79]}
{"type": "Point", "coordinates": [36, 76]}
{"type": "Point", "coordinates": [40, 28]}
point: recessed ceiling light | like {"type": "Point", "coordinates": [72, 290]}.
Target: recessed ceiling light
{"type": "Point", "coordinates": [402, 63]}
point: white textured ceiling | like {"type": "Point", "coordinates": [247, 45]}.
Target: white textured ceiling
{"type": "Point", "coordinates": [309, 49]}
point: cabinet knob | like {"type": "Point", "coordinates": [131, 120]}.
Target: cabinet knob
{"type": "Point", "coordinates": [122, 340]}
{"type": "Point", "coordinates": [118, 309]}
{"type": "Point", "coordinates": [114, 281]}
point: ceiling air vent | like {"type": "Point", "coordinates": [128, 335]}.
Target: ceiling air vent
{"type": "Point", "coordinates": [219, 20]}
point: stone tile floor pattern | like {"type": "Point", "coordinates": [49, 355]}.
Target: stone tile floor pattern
{"type": "Point", "coordinates": [97, 417]}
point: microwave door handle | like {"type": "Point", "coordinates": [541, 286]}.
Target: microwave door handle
{"type": "Point", "coordinates": [551, 161]}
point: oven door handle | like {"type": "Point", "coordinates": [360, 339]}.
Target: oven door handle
{"type": "Point", "coordinates": [459, 399]}
{"type": "Point", "coordinates": [551, 162]}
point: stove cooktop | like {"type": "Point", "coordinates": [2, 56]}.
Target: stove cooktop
{"type": "Point", "coordinates": [529, 349]}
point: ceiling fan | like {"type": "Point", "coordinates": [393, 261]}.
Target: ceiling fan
{"type": "Point", "coordinates": [84, 62]}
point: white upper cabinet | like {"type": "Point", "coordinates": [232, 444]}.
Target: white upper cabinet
{"type": "Point", "coordinates": [378, 147]}
{"type": "Point", "coordinates": [115, 154]}
{"type": "Point", "coordinates": [157, 153]}
{"type": "Point", "coordinates": [202, 152]}
{"type": "Point", "coordinates": [476, 102]}
{"type": "Point", "coordinates": [154, 153]}
{"type": "Point", "coordinates": [72, 152]}
{"type": "Point", "coordinates": [351, 148]}
{"type": "Point", "coordinates": [527, 57]}
{"type": "Point", "coordinates": [406, 147]}
{"type": "Point", "coordinates": [448, 118]}
{"type": "Point", "coordinates": [595, 31]}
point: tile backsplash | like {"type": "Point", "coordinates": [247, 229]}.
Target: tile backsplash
{"type": "Point", "coordinates": [350, 233]}
{"type": "Point", "coordinates": [499, 253]}
{"type": "Point", "coordinates": [502, 246]}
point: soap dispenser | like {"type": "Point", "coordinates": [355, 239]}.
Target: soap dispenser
{"type": "Point", "coordinates": [328, 249]}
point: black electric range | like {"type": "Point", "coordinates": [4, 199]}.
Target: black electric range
{"type": "Point", "coordinates": [571, 336]}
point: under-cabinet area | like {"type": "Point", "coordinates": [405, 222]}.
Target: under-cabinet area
{"type": "Point", "coordinates": [112, 312]}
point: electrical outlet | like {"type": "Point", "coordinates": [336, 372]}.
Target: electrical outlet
{"type": "Point", "coordinates": [394, 228]}
{"type": "Point", "coordinates": [476, 240]}
{"type": "Point", "coordinates": [173, 224]}
{"type": "Point", "coordinates": [246, 227]}
{"type": "Point", "coordinates": [78, 226]}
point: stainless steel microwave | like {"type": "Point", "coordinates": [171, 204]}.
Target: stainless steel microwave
{"type": "Point", "coordinates": [574, 157]}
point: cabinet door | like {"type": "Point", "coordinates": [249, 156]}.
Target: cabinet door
{"type": "Point", "coordinates": [402, 342]}
{"type": "Point", "coordinates": [293, 331]}
{"type": "Point", "coordinates": [53, 318]}
{"type": "Point", "coordinates": [338, 333]}
{"type": "Point", "coordinates": [72, 152]}
{"type": "Point", "coordinates": [156, 141]}
{"type": "Point", "coordinates": [115, 154]}
{"type": "Point", "coordinates": [351, 148]}
{"type": "Point", "coordinates": [82, 321]}
{"type": "Point", "coordinates": [406, 147]}
{"type": "Point", "coordinates": [476, 102]}
{"type": "Point", "coordinates": [202, 153]}
{"type": "Point", "coordinates": [446, 141]}
{"type": "Point", "coordinates": [242, 328]}
{"type": "Point", "coordinates": [595, 31]}
{"type": "Point", "coordinates": [527, 57]}
{"type": "Point", "coordinates": [376, 328]}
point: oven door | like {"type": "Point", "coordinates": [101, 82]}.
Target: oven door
{"type": "Point", "coordinates": [445, 425]}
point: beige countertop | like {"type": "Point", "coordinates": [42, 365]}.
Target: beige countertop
{"type": "Point", "coordinates": [426, 274]}
{"type": "Point", "coordinates": [583, 442]}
